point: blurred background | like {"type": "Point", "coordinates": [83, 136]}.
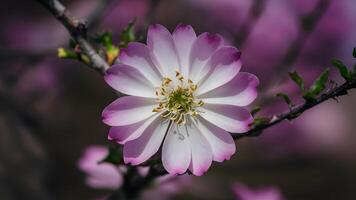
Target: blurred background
{"type": "Point", "coordinates": [50, 108]}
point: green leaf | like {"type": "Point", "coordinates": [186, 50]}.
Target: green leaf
{"type": "Point", "coordinates": [297, 79]}
{"type": "Point", "coordinates": [112, 51]}
{"type": "Point", "coordinates": [127, 34]}
{"type": "Point", "coordinates": [114, 156]}
{"type": "Point", "coordinates": [72, 43]}
{"type": "Point", "coordinates": [354, 52]}
{"type": "Point", "coordinates": [286, 99]}
{"type": "Point", "coordinates": [318, 86]}
{"type": "Point", "coordinates": [260, 121]}
{"type": "Point", "coordinates": [66, 53]}
{"type": "Point", "coordinates": [344, 72]}
{"type": "Point", "coordinates": [255, 110]}
{"type": "Point", "coordinates": [105, 39]}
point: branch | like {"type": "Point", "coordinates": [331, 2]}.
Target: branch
{"type": "Point", "coordinates": [77, 30]}
{"type": "Point", "coordinates": [297, 110]}
{"type": "Point", "coordinates": [306, 26]}
{"type": "Point", "coordinates": [253, 15]}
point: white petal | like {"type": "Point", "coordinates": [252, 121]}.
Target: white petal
{"type": "Point", "coordinates": [161, 44]}
{"type": "Point", "coordinates": [230, 118]}
{"type": "Point", "coordinates": [183, 37]}
{"type": "Point", "coordinates": [128, 110]}
{"type": "Point", "coordinates": [130, 81]}
{"type": "Point", "coordinates": [203, 47]}
{"type": "Point", "coordinates": [221, 68]}
{"type": "Point", "coordinates": [123, 134]}
{"type": "Point", "coordinates": [221, 142]}
{"type": "Point", "coordinates": [141, 149]}
{"type": "Point", "coordinates": [202, 155]}
{"type": "Point", "coordinates": [138, 56]}
{"type": "Point", "coordinates": [240, 91]}
{"type": "Point", "coordinates": [176, 153]}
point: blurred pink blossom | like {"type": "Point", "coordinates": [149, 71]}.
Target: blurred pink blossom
{"type": "Point", "coordinates": [243, 192]}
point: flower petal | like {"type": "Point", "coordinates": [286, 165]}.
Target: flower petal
{"type": "Point", "coordinates": [130, 81]}
{"type": "Point", "coordinates": [184, 37]}
{"type": "Point", "coordinates": [128, 110]}
{"type": "Point", "coordinates": [203, 47]}
{"type": "Point", "coordinates": [176, 153]}
{"type": "Point", "coordinates": [240, 91]}
{"type": "Point", "coordinates": [221, 68]}
{"type": "Point", "coordinates": [99, 175]}
{"type": "Point", "coordinates": [161, 44]}
{"type": "Point", "coordinates": [202, 155]}
{"type": "Point", "coordinates": [221, 143]}
{"type": "Point", "coordinates": [138, 56]}
{"type": "Point", "coordinates": [141, 149]}
{"type": "Point", "coordinates": [123, 134]}
{"type": "Point", "coordinates": [230, 118]}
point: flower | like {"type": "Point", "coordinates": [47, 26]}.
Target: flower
{"type": "Point", "coordinates": [108, 176]}
{"type": "Point", "coordinates": [185, 92]}
{"type": "Point", "coordinates": [99, 175]}
{"type": "Point", "coordinates": [266, 193]}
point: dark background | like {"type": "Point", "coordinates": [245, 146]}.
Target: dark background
{"type": "Point", "coordinates": [50, 109]}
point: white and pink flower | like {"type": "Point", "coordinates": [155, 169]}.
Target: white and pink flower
{"type": "Point", "coordinates": [186, 92]}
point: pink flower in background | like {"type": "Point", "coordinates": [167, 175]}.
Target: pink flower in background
{"type": "Point", "coordinates": [109, 176]}
{"type": "Point", "coordinates": [185, 90]}
{"type": "Point", "coordinates": [242, 192]}
{"type": "Point", "coordinates": [103, 175]}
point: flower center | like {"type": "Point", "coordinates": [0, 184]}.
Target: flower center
{"type": "Point", "coordinates": [176, 99]}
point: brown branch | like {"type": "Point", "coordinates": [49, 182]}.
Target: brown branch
{"type": "Point", "coordinates": [297, 110]}
{"type": "Point", "coordinates": [307, 24]}
{"type": "Point", "coordinates": [254, 14]}
{"type": "Point", "coordinates": [77, 30]}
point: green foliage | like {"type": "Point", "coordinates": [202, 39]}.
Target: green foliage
{"type": "Point", "coordinates": [260, 121]}
{"type": "Point", "coordinates": [286, 99]}
{"type": "Point", "coordinates": [114, 156]}
{"type": "Point", "coordinates": [297, 79]}
{"type": "Point", "coordinates": [255, 110]}
{"type": "Point", "coordinates": [111, 50]}
{"type": "Point", "coordinates": [66, 53]}
{"type": "Point", "coordinates": [344, 72]}
{"type": "Point", "coordinates": [314, 90]}
{"type": "Point", "coordinates": [128, 34]}
{"type": "Point", "coordinates": [317, 87]}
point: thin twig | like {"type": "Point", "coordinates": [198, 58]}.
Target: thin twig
{"type": "Point", "coordinates": [307, 24]}
{"type": "Point", "coordinates": [253, 15]}
{"type": "Point", "coordinates": [77, 30]}
{"type": "Point", "coordinates": [297, 110]}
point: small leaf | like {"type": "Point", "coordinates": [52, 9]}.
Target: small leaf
{"type": "Point", "coordinates": [318, 86]}
{"type": "Point", "coordinates": [354, 52]}
{"type": "Point", "coordinates": [112, 51]}
{"type": "Point", "coordinates": [127, 34]}
{"type": "Point", "coordinates": [286, 99]}
{"type": "Point", "coordinates": [114, 156]}
{"type": "Point", "coordinates": [255, 110]}
{"type": "Point", "coordinates": [105, 39]}
{"type": "Point", "coordinates": [260, 121]}
{"type": "Point", "coordinates": [72, 43]}
{"type": "Point", "coordinates": [297, 79]}
{"type": "Point", "coordinates": [344, 72]}
{"type": "Point", "coordinates": [66, 53]}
